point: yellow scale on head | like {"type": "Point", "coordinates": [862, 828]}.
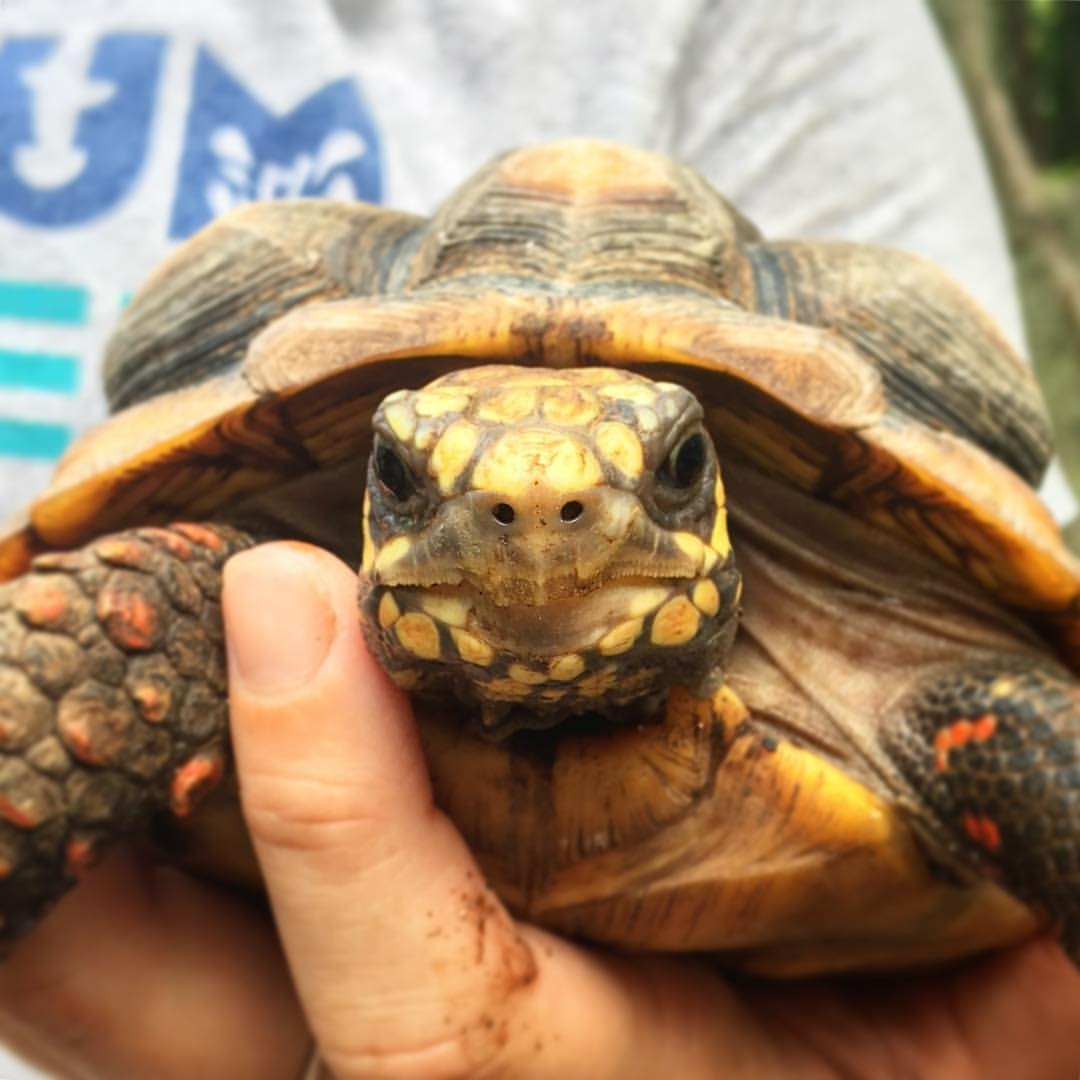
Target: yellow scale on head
{"type": "Point", "coordinates": [511, 465]}
{"type": "Point", "coordinates": [471, 649]}
{"type": "Point", "coordinates": [619, 445]}
{"type": "Point", "coordinates": [675, 623]}
{"type": "Point", "coordinates": [720, 541]}
{"type": "Point", "coordinates": [621, 637]}
{"type": "Point", "coordinates": [570, 405]}
{"type": "Point", "coordinates": [453, 454]}
{"type": "Point", "coordinates": [419, 635]}
{"type": "Point", "coordinates": [509, 406]}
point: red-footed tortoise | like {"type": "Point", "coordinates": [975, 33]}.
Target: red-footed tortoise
{"type": "Point", "coordinates": [713, 564]}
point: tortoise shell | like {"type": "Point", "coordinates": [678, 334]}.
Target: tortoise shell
{"type": "Point", "coordinates": [874, 428]}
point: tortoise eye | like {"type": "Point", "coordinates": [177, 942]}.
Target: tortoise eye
{"type": "Point", "coordinates": [685, 464]}
{"type": "Point", "coordinates": [393, 473]}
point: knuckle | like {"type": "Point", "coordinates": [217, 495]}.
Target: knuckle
{"type": "Point", "coordinates": [482, 1051]}
{"type": "Point", "coordinates": [444, 1059]}
{"type": "Point", "coordinates": [309, 812]}
{"type": "Point", "coordinates": [491, 1034]}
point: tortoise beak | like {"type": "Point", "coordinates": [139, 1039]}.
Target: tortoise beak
{"type": "Point", "coordinates": [541, 546]}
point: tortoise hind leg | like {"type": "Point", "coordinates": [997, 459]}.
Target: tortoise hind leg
{"type": "Point", "coordinates": [995, 749]}
{"type": "Point", "coordinates": [112, 701]}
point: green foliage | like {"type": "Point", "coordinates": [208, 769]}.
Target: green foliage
{"type": "Point", "coordinates": [1039, 56]}
{"type": "Point", "coordinates": [1053, 343]}
{"type": "Point", "coordinates": [1037, 62]}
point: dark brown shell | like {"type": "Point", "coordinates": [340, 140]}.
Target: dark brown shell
{"type": "Point", "coordinates": [256, 353]}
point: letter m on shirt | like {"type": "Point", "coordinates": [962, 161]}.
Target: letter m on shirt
{"type": "Point", "coordinates": [236, 150]}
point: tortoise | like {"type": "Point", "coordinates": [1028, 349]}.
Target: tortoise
{"type": "Point", "coordinates": [713, 564]}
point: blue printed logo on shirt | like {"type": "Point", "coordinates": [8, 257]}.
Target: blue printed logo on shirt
{"type": "Point", "coordinates": [236, 150]}
{"type": "Point", "coordinates": [74, 123]}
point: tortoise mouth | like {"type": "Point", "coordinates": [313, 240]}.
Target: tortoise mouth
{"type": "Point", "coordinates": [602, 539]}
{"type": "Point", "coordinates": [617, 647]}
{"type": "Point", "coordinates": [530, 621]}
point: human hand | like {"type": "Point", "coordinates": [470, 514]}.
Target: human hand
{"type": "Point", "coordinates": [404, 965]}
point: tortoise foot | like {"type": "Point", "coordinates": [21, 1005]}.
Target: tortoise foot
{"type": "Point", "coordinates": [112, 701]}
{"type": "Point", "coordinates": [996, 750]}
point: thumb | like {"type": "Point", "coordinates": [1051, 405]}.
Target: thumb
{"type": "Point", "coordinates": [407, 964]}
{"type": "Point", "coordinates": [396, 945]}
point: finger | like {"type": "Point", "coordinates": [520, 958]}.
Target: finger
{"type": "Point", "coordinates": [142, 972]}
{"type": "Point", "coordinates": [1011, 1015]}
{"type": "Point", "coordinates": [406, 963]}
{"type": "Point", "coordinates": [1020, 1013]}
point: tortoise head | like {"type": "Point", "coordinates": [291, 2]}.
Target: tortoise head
{"type": "Point", "coordinates": [547, 543]}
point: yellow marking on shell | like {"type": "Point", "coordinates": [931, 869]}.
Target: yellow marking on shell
{"type": "Point", "coordinates": [553, 694]}
{"type": "Point", "coordinates": [710, 560]}
{"type": "Point", "coordinates": [645, 600]}
{"type": "Point", "coordinates": [621, 447]}
{"type": "Point", "coordinates": [571, 406]}
{"type": "Point", "coordinates": [396, 395]}
{"type": "Point", "coordinates": [472, 649]}
{"type": "Point", "coordinates": [402, 421]}
{"type": "Point", "coordinates": [419, 634]}
{"type": "Point", "coordinates": [621, 637]}
{"type": "Point", "coordinates": [647, 419]}
{"type": "Point", "coordinates": [509, 406]}
{"type": "Point", "coordinates": [634, 392]}
{"type": "Point", "coordinates": [691, 546]}
{"type": "Point", "coordinates": [738, 592]}
{"type": "Point", "coordinates": [405, 679]}
{"type": "Point", "coordinates": [521, 458]}
{"type": "Point", "coordinates": [675, 623]}
{"type": "Point", "coordinates": [453, 453]}
{"type": "Point", "coordinates": [706, 597]}
{"type": "Point", "coordinates": [566, 667]}
{"type": "Point", "coordinates": [587, 171]}
{"type": "Point", "coordinates": [522, 674]}
{"type": "Point", "coordinates": [439, 400]}
{"type": "Point", "coordinates": [450, 610]}
{"type": "Point", "coordinates": [389, 612]}
{"type": "Point", "coordinates": [392, 552]}
{"type": "Point", "coordinates": [367, 553]}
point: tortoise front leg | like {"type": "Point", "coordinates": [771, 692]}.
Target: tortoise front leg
{"type": "Point", "coordinates": [112, 701]}
{"type": "Point", "coordinates": [995, 748]}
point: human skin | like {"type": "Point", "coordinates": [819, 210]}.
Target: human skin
{"type": "Point", "coordinates": [387, 946]}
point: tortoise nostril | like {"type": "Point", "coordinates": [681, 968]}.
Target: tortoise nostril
{"type": "Point", "coordinates": [503, 513]}
{"type": "Point", "coordinates": [571, 511]}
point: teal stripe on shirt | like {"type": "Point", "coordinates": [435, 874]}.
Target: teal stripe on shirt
{"type": "Point", "coordinates": [33, 439]}
{"type": "Point", "coordinates": [39, 371]}
{"type": "Point", "coordinates": [39, 301]}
